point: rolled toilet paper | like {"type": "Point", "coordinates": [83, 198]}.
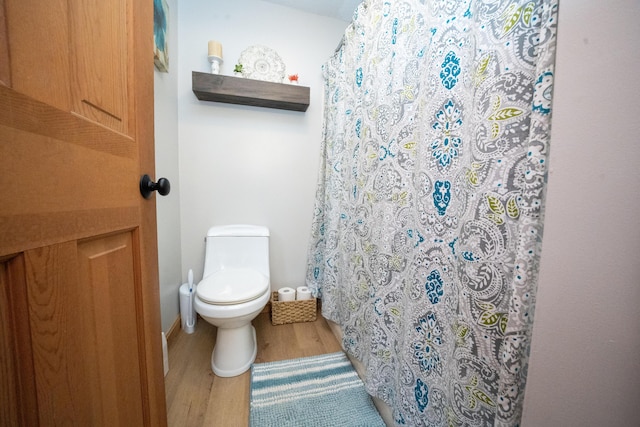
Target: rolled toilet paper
{"type": "Point", "coordinates": [286, 294]}
{"type": "Point", "coordinates": [302, 293]}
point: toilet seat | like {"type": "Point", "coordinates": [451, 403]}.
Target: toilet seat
{"type": "Point", "coordinates": [232, 286]}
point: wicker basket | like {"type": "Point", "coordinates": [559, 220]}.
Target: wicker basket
{"type": "Point", "coordinates": [292, 311]}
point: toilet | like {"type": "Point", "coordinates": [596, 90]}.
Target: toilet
{"type": "Point", "coordinates": [234, 289]}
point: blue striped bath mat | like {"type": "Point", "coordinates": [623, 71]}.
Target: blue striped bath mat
{"type": "Point", "coordinates": [318, 391]}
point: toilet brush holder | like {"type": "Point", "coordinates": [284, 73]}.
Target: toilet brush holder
{"type": "Point", "coordinates": [187, 309]}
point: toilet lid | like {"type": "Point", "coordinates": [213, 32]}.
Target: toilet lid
{"type": "Point", "coordinates": [232, 286]}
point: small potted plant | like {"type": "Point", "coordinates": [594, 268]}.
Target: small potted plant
{"type": "Point", "coordinates": [237, 70]}
{"type": "Point", "coordinates": [293, 79]}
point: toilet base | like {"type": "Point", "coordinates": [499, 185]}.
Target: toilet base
{"type": "Point", "coordinates": [235, 350]}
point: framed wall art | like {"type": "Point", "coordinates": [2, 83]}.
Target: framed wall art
{"type": "Point", "coordinates": [160, 24]}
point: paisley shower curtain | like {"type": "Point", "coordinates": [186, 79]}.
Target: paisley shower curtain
{"type": "Point", "coordinates": [428, 221]}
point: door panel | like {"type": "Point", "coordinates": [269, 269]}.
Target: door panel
{"type": "Point", "coordinates": [79, 300]}
{"type": "Point", "coordinates": [105, 266]}
{"type": "Point", "coordinates": [39, 49]}
{"type": "Point", "coordinates": [9, 381]}
{"type": "Point", "coordinates": [5, 70]}
{"type": "Point", "coordinates": [61, 368]}
{"type": "Point", "coordinates": [17, 378]}
{"type": "Point", "coordinates": [89, 75]}
{"type": "Point", "coordinates": [99, 59]}
{"type": "Point", "coordinates": [9, 395]}
{"type": "Point", "coordinates": [82, 333]}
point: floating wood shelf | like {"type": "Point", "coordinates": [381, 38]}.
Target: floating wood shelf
{"type": "Point", "coordinates": [236, 90]}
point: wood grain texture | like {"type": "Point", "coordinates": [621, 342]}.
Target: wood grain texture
{"type": "Point", "coordinates": [9, 397]}
{"type": "Point", "coordinates": [100, 51]}
{"type": "Point", "coordinates": [71, 181]}
{"type": "Point", "coordinates": [18, 399]}
{"type": "Point", "coordinates": [5, 65]}
{"type": "Point", "coordinates": [235, 90]}
{"type": "Point", "coordinates": [109, 312]}
{"type": "Point", "coordinates": [35, 117]}
{"type": "Point", "coordinates": [39, 50]}
{"type": "Point", "coordinates": [58, 362]}
{"type": "Point", "coordinates": [197, 397]}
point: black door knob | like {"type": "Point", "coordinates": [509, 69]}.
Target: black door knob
{"type": "Point", "coordinates": [163, 186]}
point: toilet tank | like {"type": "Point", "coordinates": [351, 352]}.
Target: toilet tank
{"type": "Point", "coordinates": [237, 246]}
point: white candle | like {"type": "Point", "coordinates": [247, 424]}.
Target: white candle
{"type": "Point", "coordinates": [215, 48]}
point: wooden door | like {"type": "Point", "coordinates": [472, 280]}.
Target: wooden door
{"type": "Point", "coordinates": [80, 336]}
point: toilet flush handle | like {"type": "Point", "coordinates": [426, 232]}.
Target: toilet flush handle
{"type": "Point", "coordinates": [147, 186]}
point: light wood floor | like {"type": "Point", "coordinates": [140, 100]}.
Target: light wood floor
{"type": "Point", "coordinates": [197, 397]}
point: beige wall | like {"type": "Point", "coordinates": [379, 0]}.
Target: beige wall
{"type": "Point", "coordinates": [585, 363]}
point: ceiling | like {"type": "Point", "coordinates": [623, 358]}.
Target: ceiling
{"type": "Point", "coordinates": [339, 9]}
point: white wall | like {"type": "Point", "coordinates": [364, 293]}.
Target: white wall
{"type": "Point", "coordinates": [241, 164]}
{"type": "Point", "coordinates": [168, 208]}
{"type": "Point", "coordinates": [585, 362]}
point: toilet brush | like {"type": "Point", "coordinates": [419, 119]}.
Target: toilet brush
{"type": "Point", "coordinates": [191, 319]}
